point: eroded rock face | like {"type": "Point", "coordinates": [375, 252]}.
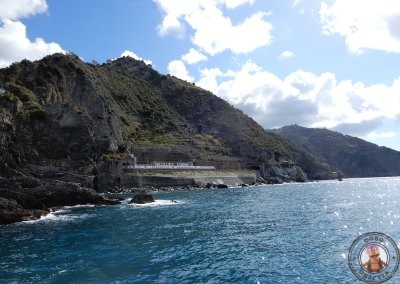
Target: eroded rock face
{"type": "Point", "coordinates": [9, 204]}
{"type": "Point", "coordinates": [59, 115]}
{"type": "Point", "coordinates": [19, 215]}
{"type": "Point", "coordinates": [56, 194]}
{"type": "Point", "coordinates": [285, 174]}
{"type": "Point", "coordinates": [32, 203]}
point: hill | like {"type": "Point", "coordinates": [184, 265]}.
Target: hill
{"type": "Point", "coordinates": [65, 113]}
{"type": "Point", "coordinates": [354, 157]}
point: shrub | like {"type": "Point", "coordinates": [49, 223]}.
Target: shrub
{"type": "Point", "coordinates": [35, 111]}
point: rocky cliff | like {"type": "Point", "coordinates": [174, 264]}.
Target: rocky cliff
{"type": "Point", "coordinates": [61, 111]}
{"type": "Point", "coordinates": [60, 115]}
{"type": "Point", "coordinates": [354, 157]}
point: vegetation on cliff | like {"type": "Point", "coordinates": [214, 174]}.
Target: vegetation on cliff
{"type": "Point", "coordinates": [354, 157]}
{"type": "Point", "coordinates": [63, 110]}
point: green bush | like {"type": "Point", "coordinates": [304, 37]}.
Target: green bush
{"type": "Point", "coordinates": [35, 111]}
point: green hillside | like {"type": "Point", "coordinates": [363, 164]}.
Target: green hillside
{"type": "Point", "coordinates": [63, 111]}
{"type": "Point", "coordinates": [354, 157]}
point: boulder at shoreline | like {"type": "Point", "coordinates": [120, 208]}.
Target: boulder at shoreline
{"type": "Point", "coordinates": [18, 204]}
{"type": "Point", "coordinates": [142, 197]}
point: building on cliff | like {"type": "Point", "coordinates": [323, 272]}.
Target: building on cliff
{"type": "Point", "coordinates": [142, 166]}
{"type": "Point", "coordinates": [123, 164]}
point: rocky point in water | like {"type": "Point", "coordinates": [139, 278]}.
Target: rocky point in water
{"type": "Point", "coordinates": [142, 197]}
{"type": "Point", "coordinates": [59, 116]}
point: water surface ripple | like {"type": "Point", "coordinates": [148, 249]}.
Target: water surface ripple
{"type": "Point", "coordinates": [291, 233]}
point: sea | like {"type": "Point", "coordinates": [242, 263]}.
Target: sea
{"type": "Point", "coordinates": [288, 233]}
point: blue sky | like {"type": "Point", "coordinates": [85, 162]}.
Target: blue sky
{"type": "Point", "coordinates": [331, 63]}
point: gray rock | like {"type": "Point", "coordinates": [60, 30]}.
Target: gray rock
{"type": "Point", "coordinates": [9, 204]}
{"type": "Point", "coordinates": [56, 193]}
{"type": "Point", "coordinates": [26, 181]}
{"type": "Point", "coordinates": [142, 197]}
{"type": "Point", "coordinates": [12, 216]}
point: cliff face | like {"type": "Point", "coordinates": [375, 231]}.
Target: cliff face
{"type": "Point", "coordinates": [354, 157]}
{"type": "Point", "coordinates": [63, 112]}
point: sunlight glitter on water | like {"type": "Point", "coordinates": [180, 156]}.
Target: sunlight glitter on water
{"type": "Point", "coordinates": [291, 233]}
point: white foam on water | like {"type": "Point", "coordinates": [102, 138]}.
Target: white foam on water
{"type": "Point", "coordinates": [80, 206]}
{"type": "Point", "coordinates": [159, 202]}
{"type": "Point", "coordinates": [56, 217]}
{"type": "Point", "coordinates": [60, 211]}
{"type": "Point", "coordinates": [126, 201]}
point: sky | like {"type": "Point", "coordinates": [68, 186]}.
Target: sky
{"type": "Point", "coordinates": [332, 64]}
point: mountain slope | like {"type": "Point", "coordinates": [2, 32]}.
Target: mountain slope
{"type": "Point", "coordinates": [354, 157]}
{"type": "Point", "coordinates": [63, 112]}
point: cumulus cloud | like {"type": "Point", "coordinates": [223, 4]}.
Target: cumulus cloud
{"type": "Point", "coordinates": [15, 45]}
{"type": "Point", "coordinates": [178, 69]}
{"type": "Point", "coordinates": [13, 10]}
{"type": "Point", "coordinates": [305, 98]}
{"type": "Point", "coordinates": [232, 4]}
{"type": "Point", "coordinates": [286, 54]}
{"type": "Point", "coordinates": [128, 53]}
{"type": "Point", "coordinates": [214, 32]}
{"type": "Point", "coordinates": [364, 24]}
{"type": "Point", "coordinates": [14, 42]}
{"type": "Point", "coordinates": [193, 56]}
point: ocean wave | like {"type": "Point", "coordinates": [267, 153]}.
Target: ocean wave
{"type": "Point", "coordinates": [57, 216]}
{"type": "Point", "coordinates": [80, 206]}
{"type": "Point", "coordinates": [159, 202]}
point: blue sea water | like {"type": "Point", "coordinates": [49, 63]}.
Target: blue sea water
{"type": "Point", "coordinates": [290, 233]}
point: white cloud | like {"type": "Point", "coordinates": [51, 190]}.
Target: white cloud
{"type": "Point", "coordinates": [365, 24]}
{"type": "Point", "coordinates": [375, 135]}
{"type": "Point", "coordinates": [15, 45]}
{"type": "Point", "coordinates": [17, 9]}
{"type": "Point", "coordinates": [209, 78]}
{"type": "Point", "coordinates": [14, 42]}
{"type": "Point", "coordinates": [129, 53]}
{"type": "Point", "coordinates": [232, 4]}
{"type": "Point", "coordinates": [295, 3]}
{"type": "Point", "coordinates": [303, 97]}
{"type": "Point", "coordinates": [178, 69]}
{"type": "Point", "coordinates": [214, 32]}
{"type": "Point", "coordinates": [193, 56]}
{"type": "Point", "coordinates": [286, 54]}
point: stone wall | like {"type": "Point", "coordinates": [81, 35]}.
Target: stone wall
{"type": "Point", "coordinates": [179, 179]}
{"type": "Point", "coordinates": [139, 181]}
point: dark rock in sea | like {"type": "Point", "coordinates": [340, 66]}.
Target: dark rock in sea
{"type": "Point", "coordinates": [30, 204]}
{"type": "Point", "coordinates": [142, 198]}
{"type": "Point", "coordinates": [12, 216]}
{"type": "Point", "coordinates": [222, 186]}
{"type": "Point", "coordinates": [56, 193]}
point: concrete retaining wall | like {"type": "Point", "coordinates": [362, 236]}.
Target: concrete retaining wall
{"type": "Point", "coordinates": [192, 178]}
{"type": "Point", "coordinates": [140, 180]}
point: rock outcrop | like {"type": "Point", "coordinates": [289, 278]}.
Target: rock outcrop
{"type": "Point", "coordinates": [59, 116]}
{"type": "Point", "coordinates": [31, 203]}
{"type": "Point", "coordinates": [142, 197]}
